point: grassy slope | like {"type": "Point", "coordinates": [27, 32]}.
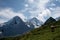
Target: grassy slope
{"type": "Point", "coordinates": [42, 33]}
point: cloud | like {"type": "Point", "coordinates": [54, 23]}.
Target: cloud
{"type": "Point", "coordinates": [30, 1]}
{"type": "Point", "coordinates": [33, 8]}
{"type": "Point", "coordinates": [45, 15]}
{"type": "Point", "coordinates": [58, 0]}
{"type": "Point", "coordinates": [7, 13]}
{"type": "Point", "coordinates": [56, 12]}
{"type": "Point", "coordinates": [37, 8]}
{"type": "Point", "coordinates": [26, 5]}
{"type": "Point", "coordinates": [41, 4]}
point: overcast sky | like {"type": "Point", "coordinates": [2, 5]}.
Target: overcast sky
{"type": "Point", "coordinates": [26, 9]}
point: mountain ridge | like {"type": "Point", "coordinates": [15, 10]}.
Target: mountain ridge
{"type": "Point", "coordinates": [42, 33]}
{"type": "Point", "coordinates": [14, 26]}
{"type": "Point", "coordinates": [35, 22]}
{"type": "Point", "coordinates": [50, 20]}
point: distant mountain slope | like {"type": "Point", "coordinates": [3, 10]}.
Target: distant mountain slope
{"type": "Point", "coordinates": [35, 22]}
{"type": "Point", "coordinates": [14, 27]}
{"type": "Point", "coordinates": [42, 33]}
{"type": "Point", "coordinates": [30, 25]}
{"type": "Point", "coordinates": [58, 18]}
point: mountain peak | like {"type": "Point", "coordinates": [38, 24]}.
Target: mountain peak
{"type": "Point", "coordinates": [35, 22]}
{"type": "Point", "coordinates": [34, 18]}
{"type": "Point", "coordinates": [16, 17]}
{"type": "Point", "coordinates": [50, 20]}
{"type": "Point", "coordinates": [14, 27]}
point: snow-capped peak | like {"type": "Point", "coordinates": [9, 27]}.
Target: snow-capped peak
{"type": "Point", "coordinates": [35, 22]}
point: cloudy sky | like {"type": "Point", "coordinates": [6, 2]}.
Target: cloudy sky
{"type": "Point", "coordinates": [26, 9]}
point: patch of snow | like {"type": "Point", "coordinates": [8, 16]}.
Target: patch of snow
{"type": "Point", "coordinates": [0, 32]}
{"type": "Point", "coordinates": [2, 24]}
{"type": "Point", "coordinates": [28, 25]}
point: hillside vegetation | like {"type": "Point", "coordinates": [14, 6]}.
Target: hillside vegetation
{"type": "Point", "coordinates": [42, 33]}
